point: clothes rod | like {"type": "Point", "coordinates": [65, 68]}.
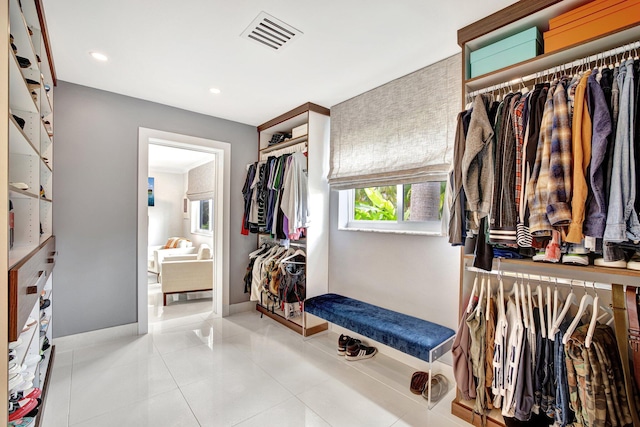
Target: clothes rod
{"type": "Point", "coordinates": [620, 50]}
{"type": "Point", "coordinates": [544, 278]}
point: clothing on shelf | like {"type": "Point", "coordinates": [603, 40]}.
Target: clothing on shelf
{"type": "Point", "coordinates": [275, 197]}
{"type": "Point", "coordinates": [547, 366]}
{"type": "Point", "coordinates": [552, 169]}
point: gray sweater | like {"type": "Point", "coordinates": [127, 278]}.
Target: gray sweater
{"type": "Point", "coordinates": [477, 162]}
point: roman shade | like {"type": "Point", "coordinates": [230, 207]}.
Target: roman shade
{"type": "Point", "coordinates": [201, 182]}
{"type": "Point", "coordinates": [401, 132]}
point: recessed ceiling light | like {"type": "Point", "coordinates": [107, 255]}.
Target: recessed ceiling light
{"type": "Point", "coordinates": [99, 56]}
{"type": "Point", "coordinates": [214, 90]}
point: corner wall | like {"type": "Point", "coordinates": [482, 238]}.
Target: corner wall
{"type": "Point", "coordinates": [94, 216]}
{"type": "Point", "coordinates": [415, 275]}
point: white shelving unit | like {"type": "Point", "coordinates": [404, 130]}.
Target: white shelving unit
{"type": "Point", "coordinates": [503, 23]}
{"type": "Point", "coordinates": [31, 255]}
{"type": "Point", "coordinates": [316, 144]}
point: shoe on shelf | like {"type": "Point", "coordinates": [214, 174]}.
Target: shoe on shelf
{"type": "Point", "coordinates": [15, 344]}
{"type": "Point", "coordinates": [439, 387]}
{"type": "Point", "coordinates": [22, 422]}
{"type": "Point", "coordinates": [600, 262]}
{"type": "Point", "coordinates": [356, 350]}
{"type": "Point", "coordinates": [32, 84]}
{"type": "Point", "coordinates": [23, 62]}
{"type": "Point", "coordinates": [45, 302]}
{"type": "Point", "coordinates": [419, 381]}
{"type": "Point", "coordinates": [15, 380]}
{"type": "Point", "coordinates": [19, 120]}
{"type": "Point", "coordinates": [28, 406]}
{"type": "Point", "coordinates": [575, 259]}
{"type": "Point", "coordinates": [634, 262]}
{"type": "Point", "coordinates": [45, 344]}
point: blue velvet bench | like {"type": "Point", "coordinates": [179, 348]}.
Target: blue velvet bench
{"type": "Point", "coordinates": [417, 337]}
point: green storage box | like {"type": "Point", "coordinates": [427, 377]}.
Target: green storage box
{"type": "Point", "coordinates": [519, 47]}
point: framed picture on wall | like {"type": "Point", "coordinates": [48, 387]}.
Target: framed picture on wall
{"type": "Point", "coordinates": [150, 192]}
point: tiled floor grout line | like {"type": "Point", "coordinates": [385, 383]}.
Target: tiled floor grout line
{"type": "Point", "coordinates": [179, 388]}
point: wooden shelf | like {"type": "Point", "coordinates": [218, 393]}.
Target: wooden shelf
{"type": "Point", "coordinates": [19, 142]}
{"type": "Point", "coordinates": [15, 192]}
{"type": "Point", "coordinates": [47, 382]}
{"type": "Point", "coordinates": [313, 325]}
{"type": "Point", "coordinates": [19, 94]}
{"type": "Point", "coordinates": [285, 144]}
{"type": "Point", "coordinates": [590, 273]}
{"type": "Point", "coordinates": [546, 61]}
{"type": "Point", "coordinates": [464, 410]}
{"type": "Point", "coordinates": [22, 39]}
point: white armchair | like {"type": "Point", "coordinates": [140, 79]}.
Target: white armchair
{"type": "Point", "coordinates": [158, 253]}
{"type": "Point", "coordinates": [187, 273]}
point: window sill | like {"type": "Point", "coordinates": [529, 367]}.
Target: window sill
{"type": "Point", "coordinates": [202, 233]}
{"type": "Point", "coordinates": [387, 231]}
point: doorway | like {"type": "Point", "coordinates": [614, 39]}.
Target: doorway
{"type": "Point", "coordinates": [220, 153]}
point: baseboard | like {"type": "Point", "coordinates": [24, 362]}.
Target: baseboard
{"type": "Point", "coordinates": [241, 307]}
{"type": "Point", "coordinates": [71, 342]}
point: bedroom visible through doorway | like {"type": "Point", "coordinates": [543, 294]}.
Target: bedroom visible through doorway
{"type": "Point", "coordinates": [185, 229]}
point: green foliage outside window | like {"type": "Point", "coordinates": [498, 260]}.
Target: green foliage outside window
{"type": "Point", "coordinates": [375, 204]}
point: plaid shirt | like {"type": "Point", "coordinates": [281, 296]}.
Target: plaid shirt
{"type": "Point", "coordinates": [520, 114]}
{"type": "Point", "coordinates": [550, 191]}
{"type": "Point", "coordinates": [537, 186]}
{"type": "Point", "coordinates": [560, 179]}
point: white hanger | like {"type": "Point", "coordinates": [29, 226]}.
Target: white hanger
{"type": "Point", "coordinates": [488, 298]}
{"type": "Point", "coordinates": [556, 307]}
{"type": "Point", "coordinates": [594, 318]}
{"type": "Point", "coordinates": [543, 328]}
{"type": "Point", "coordinates": [474, 290]}
{"type": "Point", "coordinates": [550, 314]}
{"type": "Point", "coordinates": [293, 255]}
{"type": "Point", "coordinates": [584, 302]}
{"type": "Point", "coordinates": [517, 298]}
{"type": "Point", "coordinates": [532, 323]}
{"type": "Point", "coordinates": [480, 298]}
{"type": "Point", "coordinates": [571, 299]}
{"type": "Point", "coordinates": [523, 299]}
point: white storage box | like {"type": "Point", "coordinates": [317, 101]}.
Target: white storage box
{"type": "Point", "coordinates": [300, 130]}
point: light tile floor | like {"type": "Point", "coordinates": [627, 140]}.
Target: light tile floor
{"type": "Point", "coordinates": [193, 369]}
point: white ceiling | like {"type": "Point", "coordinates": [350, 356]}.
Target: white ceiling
{"type": "Point", "coordinates": [176, 160]}
{"type": "Point", "coordinates": [173, 52]}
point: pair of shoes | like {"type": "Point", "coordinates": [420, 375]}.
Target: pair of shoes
{"type": "Point", "coordinates": [353, 349]}
{"type": "Point", "coordinates": [419, 381]}
{"type": "Point", "coordinates": [25, 407]}
{"type": "Point", "coordinates": [45, 302]}
{"type": "Point", "coordinates": [439, 387]}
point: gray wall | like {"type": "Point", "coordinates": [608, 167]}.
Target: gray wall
{"type": "Point", "coordinates": [95, 163]}
{"type": "Point", "coordinates": [415, 275]}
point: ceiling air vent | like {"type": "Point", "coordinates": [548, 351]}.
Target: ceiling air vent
{"type": "Point", "coordinates": [271, 32]}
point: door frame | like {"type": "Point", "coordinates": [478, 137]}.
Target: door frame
{"type": "Point", "coordinates": [221, 237]}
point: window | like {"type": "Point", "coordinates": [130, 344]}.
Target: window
{"type": "Point", "coordinates": [406, 208]}
{"type": "Point", "coordinates": [201, 218]}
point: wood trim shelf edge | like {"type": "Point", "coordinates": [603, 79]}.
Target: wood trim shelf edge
{"type": "Point", "coordinates": [285, 144]}
{"type": "Point", "coordinates": [47, 41]}
{"type": "Point", "coordinates": [499, 19]}
{"type": "Point", "coordinates": [309, 106]}
{"type": "Point", "coordinates": [292, 325]}
{"type": "Point", "coordinates": [45, 388]}
{"type": "Point", "coordinates": [465, 413]}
